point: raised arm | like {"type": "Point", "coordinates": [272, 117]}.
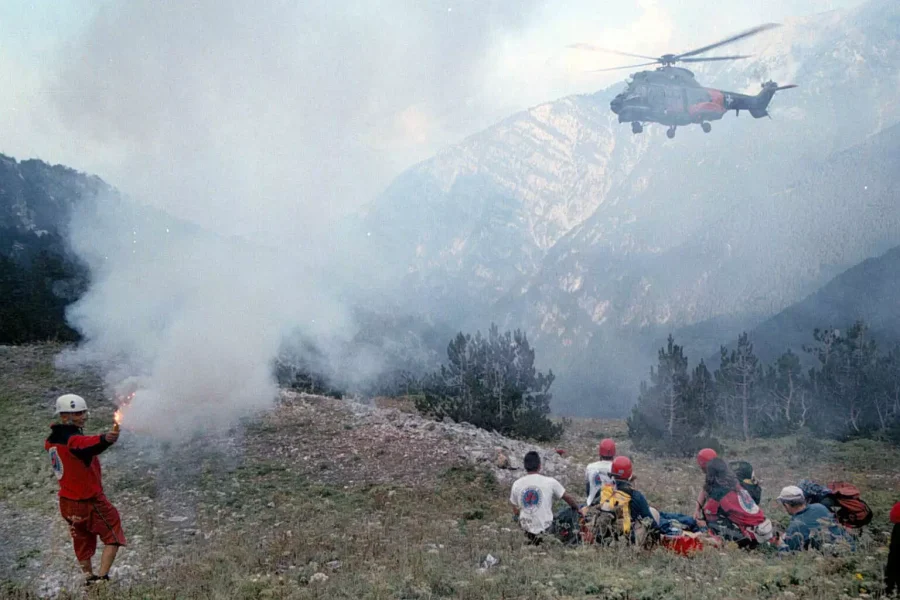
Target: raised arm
{"type": "Point", "coordinates": [87, 446]}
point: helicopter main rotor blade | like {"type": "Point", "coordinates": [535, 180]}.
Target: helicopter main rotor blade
{"type": "Point", "coordinates": [702, 59]}
{"type": "Point", "coordinates": [593, 48]}
{"type": "Point", "coordinates": [728, 40]}
{"type": "Point", "coordinates": [655, 62]}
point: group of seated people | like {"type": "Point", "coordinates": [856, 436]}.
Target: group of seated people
{"type": "Point", "coordinates": [727, 507]}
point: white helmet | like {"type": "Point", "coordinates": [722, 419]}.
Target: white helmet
{"type": "Point", "coordinates": [70, 403]}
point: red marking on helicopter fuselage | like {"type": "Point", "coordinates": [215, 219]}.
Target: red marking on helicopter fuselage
{"type": "Point", "coordinates": [715, 106]}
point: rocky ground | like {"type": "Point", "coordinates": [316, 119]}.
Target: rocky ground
{"type": "Point", "coordinates": [333, 498]}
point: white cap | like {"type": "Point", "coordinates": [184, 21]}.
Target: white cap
{"type": "Point", "coordinates": [70, 403]}
{"type": "Point", "coordinates": [791, 494]}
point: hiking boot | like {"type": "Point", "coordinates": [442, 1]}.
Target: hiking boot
{"type": "Point", "coordinates": [95, 579]}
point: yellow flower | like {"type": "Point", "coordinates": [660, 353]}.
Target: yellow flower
{"type": "Point", "coordinates": [859, 576]}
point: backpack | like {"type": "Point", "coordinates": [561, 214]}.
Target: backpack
{"type": "Point", "coordinates": [813, 492]}
{"type": "Point", "coordinates": [610, 517]}
{"type": "Point", "coordinates": [849, 509]}
{"type": "Point", "coordinates": [567, 525]}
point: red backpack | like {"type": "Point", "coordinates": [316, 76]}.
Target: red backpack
{"type": "Point", "coordinates": [850, 509]}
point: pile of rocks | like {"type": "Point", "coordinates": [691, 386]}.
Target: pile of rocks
{"type": "Point", "coordinates": [460, 442]}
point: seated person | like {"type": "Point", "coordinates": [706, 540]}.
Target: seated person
{"type": "Point", "coordinates": [532, 498]}
{"type": "Point", "coordinates": [744, 472]}
{"type": "Point", "coordinates": [639, 515]}
{"type": "Point", "coordinates": [622, 473]}
{"type": "Point", "coordinates": [703, 458]}
{"type": "Point", "coordinates": [811, 524]}
{"type": "Point", "coordinates": [597, 473]}
{"type": "Point", "coordinates": [729, 511]}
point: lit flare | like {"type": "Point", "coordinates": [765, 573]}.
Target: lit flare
{"type": "Point", "coordinates": [117, 415]}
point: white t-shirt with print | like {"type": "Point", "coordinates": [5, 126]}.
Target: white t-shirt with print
{"type": "Point", "coordinates": [534, 495]}
{"type": "Point", "coordinates": [596, 474]}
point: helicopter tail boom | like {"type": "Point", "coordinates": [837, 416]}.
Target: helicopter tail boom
{"type": "Point", "coordinates": [757, 105]}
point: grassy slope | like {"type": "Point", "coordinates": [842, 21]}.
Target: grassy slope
{"type": "Point", "coordinates": [257, 527]}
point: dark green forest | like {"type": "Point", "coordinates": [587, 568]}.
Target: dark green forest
{"type": "Point", "coordinates": [851, 388]}
{"type": "Point", "coordinates": [38, 279]}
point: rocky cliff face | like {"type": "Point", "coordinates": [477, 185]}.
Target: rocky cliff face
{"type": "Point", "coordinates": [36, 198]}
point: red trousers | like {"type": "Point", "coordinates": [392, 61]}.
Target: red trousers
{"type": "Point", "coordinates": [90, 519]}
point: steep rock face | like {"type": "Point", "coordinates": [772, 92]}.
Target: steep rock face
{"type": "Point", "coordinates": [671, 259]}
{"type": "Point", "coordinates": [556, 160]}
{"type": "Point", "coordinates": [480, 216]}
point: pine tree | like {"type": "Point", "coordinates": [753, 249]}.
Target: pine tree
{"type": "Point", "coordinates": [703, 409]}
{"type": "Point", "coordinates": [492, 383]}
{"type": "Point", "coordinates": [736, 379]}
{"type": "Point", "coordinates": [671, 410]}
{"type": "Point", "coordinates": [886, 389]}
{"type": "Point", "coordinates": [785, 401]}
{"type": "Point", "coordinates": [845, 381]}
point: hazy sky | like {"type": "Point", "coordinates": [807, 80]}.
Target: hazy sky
{"type": "Point", "coordinates": [253, 117]}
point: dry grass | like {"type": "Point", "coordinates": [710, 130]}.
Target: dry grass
{"type": "Point", "coordinates": [403, 403]}
{"type": "Point", "coordinates": [260, 528]}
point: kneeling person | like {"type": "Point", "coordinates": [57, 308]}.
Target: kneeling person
{"type": "Point", "coordinates": [532, 498]}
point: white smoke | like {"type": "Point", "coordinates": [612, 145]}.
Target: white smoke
{"type": "Point", "coordinates": [188, 321]}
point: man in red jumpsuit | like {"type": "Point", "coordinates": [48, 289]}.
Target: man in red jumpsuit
{"type": "Point", "coordinates": [82, 503]}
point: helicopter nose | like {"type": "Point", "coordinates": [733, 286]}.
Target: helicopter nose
{"type": "Point", "coordinates": [616, 105]}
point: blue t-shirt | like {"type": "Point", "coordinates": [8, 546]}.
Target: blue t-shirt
{"type": "Point", "coordinates": [812, 526]}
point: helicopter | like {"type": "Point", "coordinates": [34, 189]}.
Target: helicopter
{"type": "Point", "coordinates": [670, 95]}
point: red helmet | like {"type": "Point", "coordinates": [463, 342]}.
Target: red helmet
{"type": "Point", "coordinates": [704, 456]}
{"type": "Point", "coordinates": [621, 468]}
{"type": "Point", "coordinates": [895, 514]}
{"type": "Point", "coordinates": [607, 448]}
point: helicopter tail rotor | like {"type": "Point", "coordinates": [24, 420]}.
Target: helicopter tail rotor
{"type": "Point", "coordinates": [758, 105]}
